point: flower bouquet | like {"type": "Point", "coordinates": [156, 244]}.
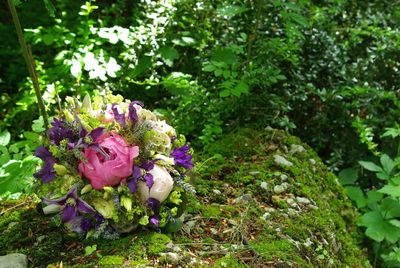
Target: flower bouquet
{"type": "Point", "coordinates": [111, 166]}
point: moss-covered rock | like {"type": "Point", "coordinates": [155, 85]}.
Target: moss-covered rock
{"type": "Point", "coordinates": [264, 200]}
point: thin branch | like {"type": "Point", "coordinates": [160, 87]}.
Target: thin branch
{"type": "Point", "coordinates": [29, 62]}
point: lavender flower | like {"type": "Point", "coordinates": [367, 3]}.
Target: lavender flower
{"type": "Point", "coordinates": [154, 205]}
{"type": "Point", "coordinates": [120, 118]}
{"type": "Point", "coordinates": [59, 132]}
{"type": "Point", "coordinates": [182, 157]}
{"type": "Point", "coordinates": [71, 205]}
{"type": "Point", "coordinates": [132, 111]}
{"type": "Point", "coordinates": [47, 173]}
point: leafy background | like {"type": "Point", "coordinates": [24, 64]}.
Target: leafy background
{"type": "Point", "coordinates": [326, 71]}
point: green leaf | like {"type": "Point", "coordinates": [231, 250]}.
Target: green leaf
{"type": "Point", "coordinates": [373, 197]}
{"type": "Point", "coordinates": [356, 195]}
{"type": "Point", "coordinates": [38, 125]}
{"type": "Point", "coordinates": [383, 176]}
{"type": "Point", "coordinates": [370, 166]}
{"type": "Point", "coordinates": [50, 7]}
{"type": "Point", "coordinates": [15, 175]}
{"type": "Point", "coordinates": [378, 228]}
{"type": "Point", "coordinates": [90, 249]}
{"type": "Point", "coordinates": [392, 190]}
{"type": "Point", "coordinates": [169, 54]}
{"type": "Point", "coordinates": [395, 222]}
{"type": "Point", "coordinates": [240, 88]}
{"type": "Point", "coordinates": [5, 137]}
{"type": "Point", "coordinates": [225, 93]}
{"type": "Point", "coordinates": [391, 132]}
{"type": "Point", "coordinates": [187, 40]}
{"type": "Point", "coordinates": [295, 17]}
{"type": "Point", "coordinates": [208, 68]}
{"type": "Point", "coordinates": [173, 226]}
{"type": "Point", "coordinates": [348, 176]}
{"type": "Point", "coordinates": [231, 10]}
{"type": "Point", "coordinates": [387, 163]}
{"type": "Point", "coordinates": [390, 208]}
{"type": "Point", "coordinates": [224, 55]}
{"type": "Point", "coordinates": [143, 64]}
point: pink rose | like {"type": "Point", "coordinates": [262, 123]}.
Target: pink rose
{"type": "Point", "coordinates": [102, 171]}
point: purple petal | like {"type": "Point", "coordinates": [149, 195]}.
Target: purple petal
{"type": "Point", "coordinates": [69, 212]}
{"type": "Point", "coordinates": [137, 103]}
{"type": "Point", "coordinates": [149, 165]}
{"type": "Point", "coordinates": [132, 185]}
{"type": "Point", "coordinates": [84, 207]}
{"type": "Point", "coordinates": [132, 113]}
{"type": "Point", "coordinates": [148, 179]}
{"type": "Point", "coordinates": [182, 157]}
{"type": "Point", "coordinates": [153, 204]}
{"type": "Point", "coordinates": [47, 173]}
{"type": "Point", "coordinates": [137, 172]}
{"type": "Point", "coordinates": [59, 132]}
{"type": "Point", "coordinates": [85, 225]}
{"type": "Point", "coordinates": [43, 153]}
{"type": "Point", "coordinates": [120, 118]}
{"type": "Point", "coordinates": [96, 133]}
{"type": "Point", "coordinates": [73, 193]}
{"type": "Point", "coordinates": [83, 132]}
{"type": "Point", "coordinates": [154, 220]}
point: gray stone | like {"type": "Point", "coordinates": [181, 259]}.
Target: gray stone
{"type": "Point", "coordinates": [15, 260]}
{"type": "Point", "coordinates": [243, 198]}
{"type": "Point", "coordinates": [303, 200]}
{"type": "Point", "coordinates": [170, 257]}
{"type": "Point", "coordinates": [281, 161]}
{"type": "Point", "coordinates": [254, 173]}
{"type": "Point", "coordinates": [278, 189]}
{"type": "Point", "coordinates": [216, 191]}
{"type": "Point", "coordinates": [284, 177]}
{"type": "Point", "coordinates": [264, 185]}
{"type": "Point", "coordinates": [270, 210]}
{"type": "Point", "coordinates": [296, 149]}
{"type": "Point", "coordinates": [267, 215]}
{"type": "Point", "coordinates": [291, 202]}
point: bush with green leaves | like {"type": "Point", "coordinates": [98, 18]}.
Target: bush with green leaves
{"type": "Point", "coordinates": [17, 162]}
{"type": "Point", "coordinates": [376, 194]}
{"type": "Point", "coordinates": [314, 69]}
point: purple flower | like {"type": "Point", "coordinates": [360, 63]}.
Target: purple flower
{"type": "Point", "coordinates": [154, 205]}
{"type": "Point", "coordinates": [59, 132]}
{"type": "Point", "coordinates": [144, 176]}
{"type": "Point", "coordinates": [120, 118]}
{"type": "Point", "coordinates": [182, 157]}
{"type": "Point", "coordinates": [47, 173]}
{"type": "Point", "coordinates": [132, 111]}
{"type": "Point", "coordinates": [136, 174]}
{"type": "Point", "coordinates": [71, 205]}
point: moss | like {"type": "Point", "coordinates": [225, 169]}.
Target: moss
{"type": "Point", "coordinates": [211, 211]}
{"type": "Point", "coordinates": [270, 248]}
{"type": "Point", "coordinates": [113, 260]}
{"type": "Point", "coordinates": [228, 261]}
{"type": "Point", "coordinates": [157, 243]}
{"type": "Point", "coordinates": [221, 229]}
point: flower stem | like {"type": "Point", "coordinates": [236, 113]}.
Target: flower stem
{"type": "Point", "coordinates": [29, 62]}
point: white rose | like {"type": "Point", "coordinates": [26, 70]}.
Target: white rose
{"type": "Point", "coordinates": [162, 187]}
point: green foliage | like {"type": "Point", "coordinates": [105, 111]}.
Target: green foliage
{"type": "Point", "coordinates": [17, 164]}
{"type": "Point", "coordinates": [379, 204]}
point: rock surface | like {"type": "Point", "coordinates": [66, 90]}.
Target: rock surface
{"type": "Point", "coordinates": [264, 205]}
{"type": "Point", "coordinates": [15, 260]}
